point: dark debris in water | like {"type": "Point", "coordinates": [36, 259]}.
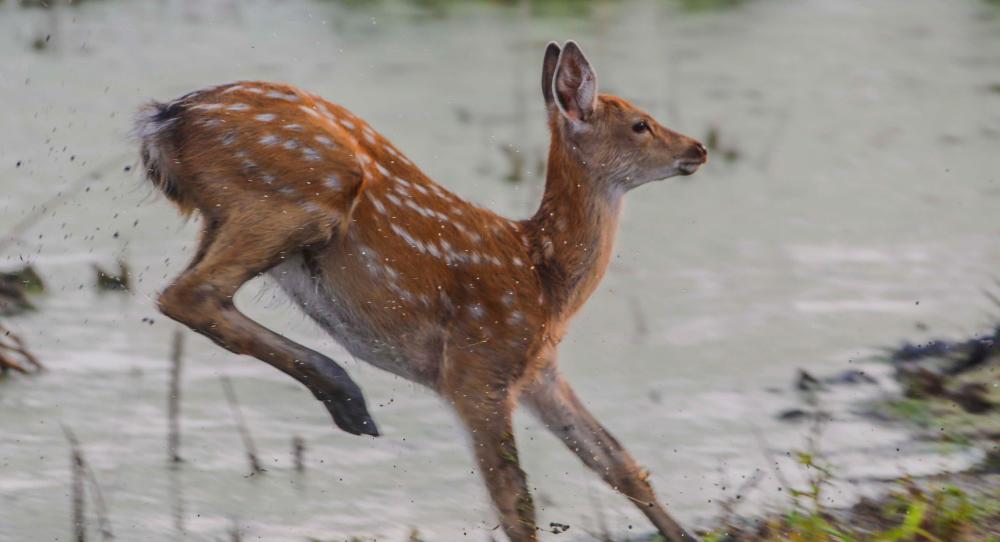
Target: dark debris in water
{"type": "Point", "coordinates": [15, 287]}
{"type": "Point", "coordinates": [806, 382]}
{"type": "Point", "coordinates": [963, 355]}
{"type": "Point", "coordinates": [107, 281]}
{"type": "Point", "coordinates": [952, 371]}
{"type": "Point", "coordinates": [953, 356]}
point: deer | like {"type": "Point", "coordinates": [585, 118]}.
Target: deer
{"type": "Point", "coordinates": [403, 273]}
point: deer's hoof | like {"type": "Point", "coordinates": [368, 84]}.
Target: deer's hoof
{"type": "Point", "coordinates": [351, 415]}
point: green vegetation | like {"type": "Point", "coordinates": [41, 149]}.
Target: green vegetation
{"type": "Point", "coordinates": [951, 393]}
{"type": "Point", "coordinates": [704, 5]}
{"type": "Point", "coordinates": [912, 512]}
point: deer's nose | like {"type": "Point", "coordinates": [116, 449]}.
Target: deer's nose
{"type": "Point", "coordinates": [699, 152]}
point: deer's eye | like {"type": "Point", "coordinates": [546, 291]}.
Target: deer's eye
{"type": "Point", "coordinates": [640, 127]}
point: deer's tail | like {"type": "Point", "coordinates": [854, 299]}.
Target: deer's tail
{"type": "Point", "coordinates": [156, 130]}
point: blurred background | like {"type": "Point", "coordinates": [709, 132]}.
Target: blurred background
{"type": "Point", "coordinates": [853, 198]}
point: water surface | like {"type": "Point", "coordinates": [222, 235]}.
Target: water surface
{"type": "Point", "coordinates": [864, 200]}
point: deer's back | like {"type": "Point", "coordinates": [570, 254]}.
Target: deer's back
{"type": "Point", "coordinates": [412, 269]}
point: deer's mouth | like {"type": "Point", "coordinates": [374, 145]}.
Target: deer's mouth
{"type": "Point", "coordinates": [691, 160]}
{"type": "Point", "coordinates": [687, 167]}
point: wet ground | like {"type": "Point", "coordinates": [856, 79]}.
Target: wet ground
{"type": "Point", "coordinates": [861, 198]}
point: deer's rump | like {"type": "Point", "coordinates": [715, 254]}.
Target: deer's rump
{"type": "Point", "coordinates": [258, 140]}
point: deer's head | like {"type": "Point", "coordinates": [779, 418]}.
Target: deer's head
{"type": "Point", "coordinates": [614, 141]}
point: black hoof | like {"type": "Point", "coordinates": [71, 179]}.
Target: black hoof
{"type": "Point", "coordinates": [352, 416]}
{"type": "Point", "coordinates": [343, 399]}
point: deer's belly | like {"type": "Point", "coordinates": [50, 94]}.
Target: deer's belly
{"type": "Point", "coordinates": [349, 322]}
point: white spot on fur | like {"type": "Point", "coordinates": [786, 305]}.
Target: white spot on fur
{"type": "Point", "coordinates": [376, 203]}
{"type": "Point", "coordinates": [282, 96]}
{"type": "Point", "coordinates": [324, 140]}
{"type": "Point", "coordinates": [412, 241]}
{"type": "Point", "coordinates": [238, 107]}
{"type": "Point", "coordinates": [268, 139]}
{"type": "Point", "coordinates": [332, 182]}
{"type": "Point", "coordinates": [439, 192]}
{"type": "Point", "coordinates": [265, 117]}
{"type": "Point", "coordinates": [433, 249]}
{"type": "Point", "coordinates": [310, 154]}
{"type": "Point", "coordinates": [310, 111]}
{"type": "Point", "coordinates": [420, 210]}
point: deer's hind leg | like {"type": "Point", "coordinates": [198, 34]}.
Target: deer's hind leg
{"type": "Point", "coordinates": [238, 244]}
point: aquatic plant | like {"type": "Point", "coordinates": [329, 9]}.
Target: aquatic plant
{"type": "Point", "coordinates": [15, 356]}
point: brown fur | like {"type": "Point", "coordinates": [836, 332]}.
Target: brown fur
{"type": "Point", "coordinates": [439, 290]}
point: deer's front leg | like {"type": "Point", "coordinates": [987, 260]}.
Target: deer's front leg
{"type": "Point", "coordinates": [484, 403]}
{"type": "Point", "coordinates": [552, 400]}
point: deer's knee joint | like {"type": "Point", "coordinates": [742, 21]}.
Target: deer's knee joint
{"type": "Point", "coordinates": [189, 305]}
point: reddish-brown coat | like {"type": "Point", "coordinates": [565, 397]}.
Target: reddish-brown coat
{"type": "Point", "coordinates": [459, 265]}
{"type": "Point", "coordinates": [433, 287]}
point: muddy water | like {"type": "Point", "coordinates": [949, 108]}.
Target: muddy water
{"type": "Point", "coordinates": [864, 199]}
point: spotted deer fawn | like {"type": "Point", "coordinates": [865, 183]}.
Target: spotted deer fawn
{"type": "Point", "coordinates": [403, 273]}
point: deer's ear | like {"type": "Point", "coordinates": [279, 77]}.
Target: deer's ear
{"type": "Point", "coordinates": [548, 72]}
{"type": "Point", "coordinates": [575, 84]}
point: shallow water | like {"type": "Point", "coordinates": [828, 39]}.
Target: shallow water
{"type": "Point", "coordinates": [865, 199]}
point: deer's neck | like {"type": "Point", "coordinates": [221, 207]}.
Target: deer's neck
{"type": "Point", "coordinates": [573, 231]}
